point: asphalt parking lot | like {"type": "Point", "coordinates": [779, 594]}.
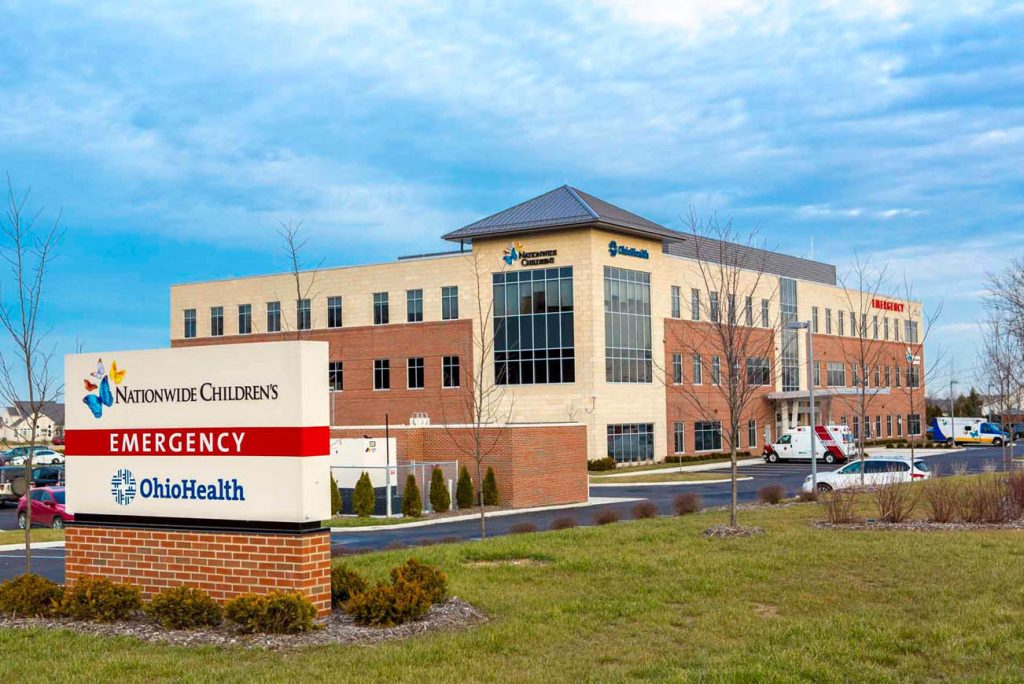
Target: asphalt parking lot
{"type": "Point", "coordinates": [50, 562]}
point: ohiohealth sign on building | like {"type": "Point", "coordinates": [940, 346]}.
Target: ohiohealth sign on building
{"type": "Point", "coordinates": [206, 435]}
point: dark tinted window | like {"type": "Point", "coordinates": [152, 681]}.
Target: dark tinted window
{"type": "Point", "coordinates": [59, 496]}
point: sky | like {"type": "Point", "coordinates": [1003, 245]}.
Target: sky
{"type": "Point", "coordinates": [176, 137]}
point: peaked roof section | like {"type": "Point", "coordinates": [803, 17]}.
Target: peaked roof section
{"type": "Point", "coordinates": [564, 206]}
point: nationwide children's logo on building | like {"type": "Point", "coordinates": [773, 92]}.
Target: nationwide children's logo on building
{"type": "Point", "coordinates": [124, 487]}
{"type": "Point", "coordinates": [515, 252]}
{"type": "Point", "coordinates": [100, 384]}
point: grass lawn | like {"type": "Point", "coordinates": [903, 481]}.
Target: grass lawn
{"type": "Point", "coordinates": [665, 466]}
{"type": "Point", "coordinates": [39, 534]}
{"type": "Point", "coordinates": [661, 477]}
{"type": "Point", "coordinates": [652, 599]}
{"type": "Point", "coordinates": [356, 521]}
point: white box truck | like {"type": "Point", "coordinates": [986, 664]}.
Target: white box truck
{"type": "Point", "coordinates": [835, 444]}
{"type": "Point", "coordinates": [967, 430]}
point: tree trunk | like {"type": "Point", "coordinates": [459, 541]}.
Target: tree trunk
{"type": "Point", "coordinates": [480, 496]}
{"type": "Point", "coordinates": [735, 489]}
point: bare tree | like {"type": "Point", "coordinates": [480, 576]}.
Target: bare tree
{"type": "Point", "coordinates": [486, 405]}
{"type": "Point", "coordinates": [27, 377]}
{"type": "Point", "coordinates": [304, 278]}
{"type": "Point", "coordinates": [999, 364]}
{"type": "Point", "coordinates": [734, 280]}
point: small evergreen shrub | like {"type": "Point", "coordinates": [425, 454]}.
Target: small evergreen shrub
{"type": "Point", "coordinates": [389, 603]}
{"type": "Point", "coordinates": [522, 528]}
{"type": "Point", "coordinates": [184, 608]}
{"type": "Point", "coordinates": [563, 523]}
{"type": "Point", "coordinates": [464, 489]}
{"type": "Point", "coordinates": [601, 464]}
{"type": "Point", "coordinates": [345, 583]}
{"type": "Point", "coordinates": [644, 510]}
{"type": "Point", "coordinates": [30, 595]}
{"type": "Point", "coordinates": [431, 578]}
{"type": "Point", "coordinates": [771, 494]}
{"type": "Point", "coordinates": [97, 598]}
{"type": "Point", "coordinates": [490, 488]}
{"type": "Point", "coordinates": [687, 503]}
{"type": "Point", "coordinates": [363, 500]}
{"type": "Point", "coordinates": [412, 506]}
{"type": "Point", "coordinates": [607, 516]}
{"type": "Point", "coordinates": [440, 499]}
{"type": "Point", "coordinates": [335, 497]}
{"type": "Point", "coordinates": [279, 612]}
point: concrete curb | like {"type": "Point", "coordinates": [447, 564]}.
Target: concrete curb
{"type": "Point", "coordinates": [34, 545]}
{"type": "Point", "coordinates": [593, 501]}
{"type": "Point", "coordinates": [666, 484]}
{"type": "Point", "coordinates": [695, 468]}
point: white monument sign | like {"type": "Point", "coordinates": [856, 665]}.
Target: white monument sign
{"type": "Point", "coordinates": [222, 432]}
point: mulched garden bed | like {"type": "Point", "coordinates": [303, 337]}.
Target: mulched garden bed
{"type": "Point", "coordinates": [727, 532]}
{"type": "Point", "coordinates": [338, 628]}
{"type": "Point", "coordinates": [918, 526]}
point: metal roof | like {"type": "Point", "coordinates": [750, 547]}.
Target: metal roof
{"type": "Point", "coordinates": [568, 207]}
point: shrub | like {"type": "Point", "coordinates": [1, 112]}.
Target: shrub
{"type": "Point", "coordinates": [363, 499]}
{"type": "Point", "coordinates": [97, 598]}
{"type": "Point", "coordinates": [388, 604]}
{"type": "Point", "coordinates": [896, 500]}
{"type": "Point", "coordinates": [985, 499]}
{"type": "Point", "coordinates": [806, 497]}
{"type": "Point", "coordinates": [490, 488]}
{"type": "Point", "coordinates": [941, 496]}
{"type": "Point", "coordinates": [184, 608]}
{"type": "Point", "coordinates": [464, 489]}
{"type": "Point", "coordinates": [431, 578]}
{"type": "Point", "coordinates": [645, 509]}
{"type": "Point", "coordinates": [412, 506]}
{"type": "Point", "coordinates": [522, 528]}
{"type": "Point", "coordinates": [1015, 490]}
{"type": "Point", "coordinates": [345, 583]}
{"type": "Point", "coordinates": [607, 516]}
{"type": "Point", "coordinates": [335, 497]}
{"type": "Point", "coordinates": [601, 464]}
{"type": "Point", "coordinates": [440, 498]}
{"type": "Point", "coordinates": [30, 595]}
{"type": "Point", "coordinates": [771, 494]}
{"type": "Point", "coordinates": [279, 612]}
{"type": "Point", "coordinates": [687, 503]}
{"type": "Point", "coordinates": [563, 523]}
{"type": "Point", "coordinates": [839, 505]}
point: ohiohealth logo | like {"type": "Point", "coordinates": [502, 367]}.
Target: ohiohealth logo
{"type": "Point", "coordinates": [100, 383]}
{"type": "Point", "coordinates": [122, 487]}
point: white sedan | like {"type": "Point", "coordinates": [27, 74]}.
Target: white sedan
{"type": "Point", "coordinates": [41, 457]}
{"type": "Point", "coordinates": [877, 471]}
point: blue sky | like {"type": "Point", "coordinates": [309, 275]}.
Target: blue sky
{"type": "Point", "coordinates": [176, 137]}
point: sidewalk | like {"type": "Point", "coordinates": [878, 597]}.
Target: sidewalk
{"type": "Point", "coordinates": [695, 468]}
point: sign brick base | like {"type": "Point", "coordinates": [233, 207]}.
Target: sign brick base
{"type": "Point", "coordinates": [223, 564]}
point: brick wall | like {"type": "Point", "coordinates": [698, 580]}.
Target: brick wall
{"type": "Point", "coordinates": [537, 465]}
{"type": "Point", "coordinates": [357, 348]}
{"type": "Point", "coordinates": [224, 564]}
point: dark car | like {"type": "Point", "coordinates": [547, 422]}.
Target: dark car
{"type": "Point", "coordinates": [12, 480]}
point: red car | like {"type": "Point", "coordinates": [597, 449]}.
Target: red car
{"type": "Point", "coordinates": [47, 508]}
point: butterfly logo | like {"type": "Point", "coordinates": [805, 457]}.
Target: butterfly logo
{"type": "Point", "coordinates": [103, 397]}
{"type": "Point", "coordinates": [511, 253]}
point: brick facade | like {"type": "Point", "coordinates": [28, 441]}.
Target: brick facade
{"type": "Point", "coordinates": [536, 465]}
{"type": "Point", "coordinates": [223, 564]}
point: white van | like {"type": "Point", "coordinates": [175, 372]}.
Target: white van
{"type": "Point", "coordinates": [835, 444]}
{"type": "Point", "coordinates": [967, 430]}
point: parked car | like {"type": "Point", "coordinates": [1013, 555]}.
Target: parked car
{"type": "Point", "coordinates": [47, 508]}
{"type": "Point", "coordinates": [39, 456]}
{"type": "Point", "coordinates": [877, 471]}
{"type": "Point", "coordinates": [12, 480]}
{"type": "Point", "coordinates": [58, 440]}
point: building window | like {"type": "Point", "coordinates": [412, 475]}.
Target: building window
{"type": "Point", "coordinates": [677, 368]}
{"type": "Point", "coordinates": [899, 376]}
{"type": "Point", "coordinates": [303, 315]}
{"type": "Point", "coordinates": [888, 425]}
{"type": "Point", "coordinates": [817, 373]}
{"type": "Point", "coordinates": [713, 307]}
{"type": "Point", "coordinates": [913, 424]}
{"type": "Point", "coordinates": [216, 321]}
{"type": "Point", "coordinates": [244, 319]}
{"type": "Point", "coordinates": [748, 311]}
{"type": "Point", "coordinates": [751, 434]}
{"type": "Point", "coordinates": [381, 374]}
{"type": "Point", "coordinates": [856, 426]}
{"type": "Point", "coordinates": [896, 330]}
{"type": "Point", "coordinates": [380, 308]}
{"type": "Point", "coordinates": [867, 427]}
{"type": "Point", "coordinates": [190, 323]}
{"type": "Point", "coordinates": [888, 377]}
{"type": "Point", "coordinates": [414, 373]}
{"type": "Point", "coordinates": [759, 371]}
{"type": "Point", "coordinates": [828, 321]}
{"type": "Point", "coordinates": [533, 327]}
{"type": "Point", "coordinates": [336, 376]}
{"type": "Point", "coordinates": [899, 426]}
{"type": "Point", "coordinates": [853, 324]}
{"type": "Point", "coordinates": [790, 357]}
{"type": "Point", "coordinates": [913, 378]}
{"type": "Point", "coordinates": [450, 371]}
{"type": "Point", "coordinates": [731, 309]}
{"type": "Point", "coordinates": [273, 316]}
{"type": "Point", "coordinates": [678, 438]}
{"type": "Point", "coordinates": [676, 304]}
{"type": "Point", "coordinates": [854, 376]}
{"type": "Point", "coordinates": [864, 325]}
{"type": "Point", "coordinates": [698, 370]}
{"type": "Point", "coordinates": [334, 312]}
{"type": "Point", "coordinates": [449, 303]}
{"type": "Point", "coordinates": [842, 319]}
{"type": "Point", "coordinates": [414, 306]}
{"type": "Point", "coordinates": [814, 319]}
{"type": "Point", "coordinates": [707, 435]}
{"type": "Point", "coordinates": [885, 327]}
{"type": "Point", "coordinates": [631, 442]}
{"type": "Point", "coordinates": [627, 325]}
{"type": "Point", "coordinates": [695, 304]}
{"type": "Point", "coordinates": [910, 332]}
{"type": "Point", "coordinates": [716, 370]}
{"type": "Point", "coordinates": [874, 327]}
{"type": "Point", "coordinates": [878, 426]}
{"type": "Point", "coordinates": [836, 374]}
{"type": "Point", "coordinates": [764, 313]}
{"type": "Point", "coordinates": [878, 376]}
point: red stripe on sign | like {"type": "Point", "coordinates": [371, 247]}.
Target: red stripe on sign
{"type": "Point", "coordinates": [210, 441]}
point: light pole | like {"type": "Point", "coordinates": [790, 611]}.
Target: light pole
{"type": "Point", "coordinates": [806, 325]}
{"type": "Point", "coordinates": [952, 412]}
